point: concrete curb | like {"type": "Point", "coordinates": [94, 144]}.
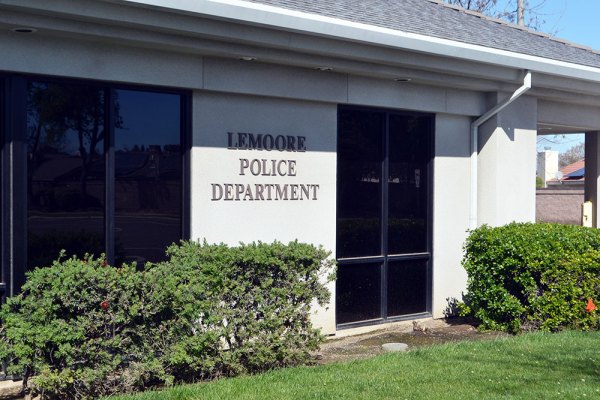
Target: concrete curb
{"type": "Point", "coordinates": [11, 390]}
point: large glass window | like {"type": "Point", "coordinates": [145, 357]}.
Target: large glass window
{"type": "Point", "coordinates": [359, 292]}
{"type": "Point", "coordinates": [408, 179]}
{"type": "Point", "coordinates": [148, 174]}
{"type": "Point", "coordinates": [407, 287]}
{"type": "Point", "coordinates": [383, 210]}
{"type": "Point", "coordinates": [65, 170]}
{"type": "Point", "coordinates": [101, 169]}
{"type": "Point", "coordinates": [360, 156]}
{"type": "Point", "coordinates": [3, 275]}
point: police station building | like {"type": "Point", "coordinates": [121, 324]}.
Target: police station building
{"type": "Point", "coordinates": [382, 130]}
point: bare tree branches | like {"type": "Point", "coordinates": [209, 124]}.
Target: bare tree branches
{"type": "Point", "coordinates": [572, 155]}
{"type": "Point", "coordinates": [534, 16]}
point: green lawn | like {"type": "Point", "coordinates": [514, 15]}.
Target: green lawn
{"type": "Point", "coordinates": [533, 366]}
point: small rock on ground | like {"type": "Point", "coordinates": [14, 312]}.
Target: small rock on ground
{"type": "Point", "coordinates": [394, 347]}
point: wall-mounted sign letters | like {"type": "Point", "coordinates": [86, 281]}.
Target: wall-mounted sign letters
{"type": "Point", "coordinates": [265, 167]}
{"type": "Point", "coordinates": [252, 141]}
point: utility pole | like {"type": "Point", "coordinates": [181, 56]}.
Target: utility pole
{"type": "Point", "coordinates": [521, 12]}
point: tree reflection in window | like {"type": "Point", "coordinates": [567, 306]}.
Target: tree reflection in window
{"type": "Point", "coordinates": [65, 171]}
{"type": "Point", "coordinates": [67, 139]}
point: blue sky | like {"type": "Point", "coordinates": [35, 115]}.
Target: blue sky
{"type": "Point", "coordinates": [576, 21]}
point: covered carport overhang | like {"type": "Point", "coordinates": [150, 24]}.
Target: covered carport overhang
{"type": "Point", "coordinates": [564, 118]}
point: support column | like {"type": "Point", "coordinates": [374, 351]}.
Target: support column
{"type": "Point", "coordinates": [592, 173]}
{"type": "Point", "coordinates": [507, 164]}
{"type": "Point", "coordinates": [451, 188]}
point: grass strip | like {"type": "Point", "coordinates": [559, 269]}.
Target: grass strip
{"type": "Point", "coordinates": [533, 366]}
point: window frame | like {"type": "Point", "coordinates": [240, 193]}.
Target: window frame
{"type": "Point", "coordinates": [13, 136]}
{"type": "Point", "coordinates": [385, 258]}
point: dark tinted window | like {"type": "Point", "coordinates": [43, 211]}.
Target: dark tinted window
{"type": "Point", "coordinates": [360, 156]}
{"type": "Point", "coordinates": [69, 170]}
{"type": "Point", "coordinates": [358, 292]}
{"type": "Point", "coordinates": [407, 287]}
{"type": "Point", "coordinates": [65, 171]}
{"type": "Point", "coordinates": [382, 214]}
{"type": "Point", "coordinates": [407, 184]}
{"type": "Point", "coordinates": [148, 174]}
{"type": "Point", "coordinates": [3, 277]}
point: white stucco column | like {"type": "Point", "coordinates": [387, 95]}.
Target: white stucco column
{"type": "Point", "coordinates": [451, 188]}
{"type": "Point", "coordinates": [507, 163]}
{"type": "Point", "coordinates": [592, 173]}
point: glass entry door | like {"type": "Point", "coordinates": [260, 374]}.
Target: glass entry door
{"type": "Point", "coordinates": [383, 215]}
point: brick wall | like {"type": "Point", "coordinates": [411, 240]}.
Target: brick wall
{"type": "Point", "coordinates": [559, 205]}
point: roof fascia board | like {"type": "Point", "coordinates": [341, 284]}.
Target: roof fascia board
{"type": "Point", "coordinates": [565, 97]}
{"type": "Point", "coordinates": [300, 50]}
{"type": "Point", "coordinates": [261, 14]}
{"type": "Point", "coordinates": [575, 86]}
{"type": "Point", "coordinates": [118, 13]}
{"type": "Point", "coordinates": [558, 113]}
{"type": "Point", "coordinates": [217, 49]}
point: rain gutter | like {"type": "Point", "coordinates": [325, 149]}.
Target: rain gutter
{"type": "Point", "coordinates": [475, 144]}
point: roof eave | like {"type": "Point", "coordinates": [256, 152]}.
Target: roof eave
{"type": "Point", "coordinates": [264, 15]}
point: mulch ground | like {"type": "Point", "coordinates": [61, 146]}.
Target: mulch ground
{"type": "Point", "coordinates": [414, 333]}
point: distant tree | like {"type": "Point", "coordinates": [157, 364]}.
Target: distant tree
{"type": "Point", "coordinates": [507, 10]}
{"type": "Point", "coordinates": [56, 111]}
{"type": "Point", "coordinates": [572, 155]}
{"type": "Point", "coordinates": [539, 182]}
{"type": "Point", "coordinates": [483, 6]}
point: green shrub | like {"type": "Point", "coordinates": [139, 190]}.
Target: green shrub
{"type": "Point", "coordinates": [539, 182]}
{"type": "Point", "coordinates": [532, 276]}
{"type": "Point", "coordinates": [82, 329]}
{"type": "Point", "coordinates": [75, 327]}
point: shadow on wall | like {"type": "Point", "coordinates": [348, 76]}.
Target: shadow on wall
{"type": "Point", "coordinates": [561, 206]}
{"type": "Point", "coordinates": [452, 309]}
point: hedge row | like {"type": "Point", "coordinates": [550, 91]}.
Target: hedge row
{"type": "Point", "coordinates": [526, 276]}
{"type": "Point", "coordinates": [83, 329]}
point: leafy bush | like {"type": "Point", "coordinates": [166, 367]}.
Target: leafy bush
{"type": "Point", "coordinates": [525, 276]}
{"type": "Point", "coordinates": [75, 327]}
{"type": "Point", "coordinates": [539, 182]}
{"type": "Point", "coordinates": [82, 329]}
{"type": "Point", "coordinates": [255, 305]}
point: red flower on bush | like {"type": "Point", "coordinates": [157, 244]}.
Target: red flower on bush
{"type": "Point", "coordinates": [104, 305]}
{"type": "Point", "coordinates": [104, 263]}
{"type": "Point", "coordinates": [590, 306]}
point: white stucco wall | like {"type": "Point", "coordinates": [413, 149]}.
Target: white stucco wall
{"type": "Point", "coordinates": [71, 57]}
{"type": "Point", "coordinates": [450, 212]}
{"type": "Point", "coordinates": [231, 222]}
{"type": "Point", "coordinates": [256, 97]}
{"type": "Point", "coordinates": [507, 164]}
{"type": "Point", "coordinates": [547, 165]}
{"type": "Point", "coordinates": [411, 96]}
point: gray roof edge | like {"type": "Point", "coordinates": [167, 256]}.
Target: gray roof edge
{"type": "Point", "coordinates": [282, 18]}
{"type": "Point", "coordinates": [260, 14]}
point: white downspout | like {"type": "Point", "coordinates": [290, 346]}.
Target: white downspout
{"type": "Point", "coordinates": [474, 142]}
